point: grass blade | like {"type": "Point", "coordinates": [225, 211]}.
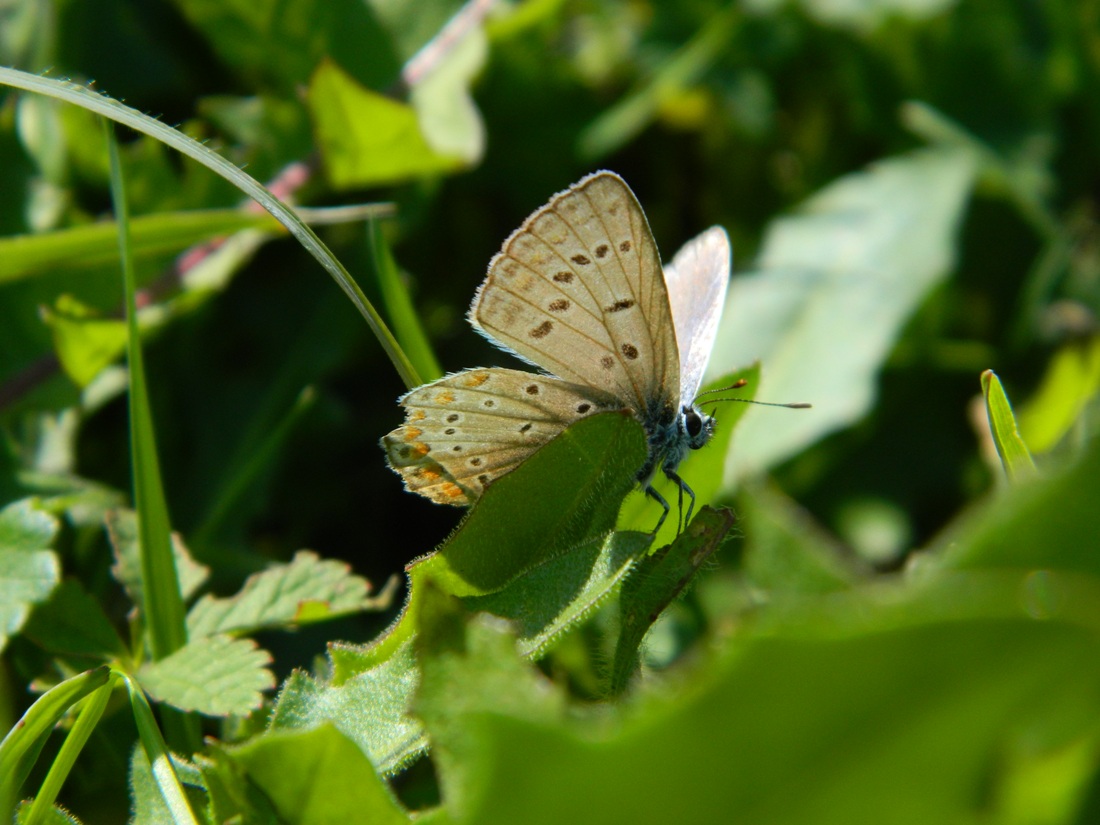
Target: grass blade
{"type": "Point", "coordinates": [399, 306]}
{"type": "Point", "coordinates": [1014, 454]}
{"type": "Point", "coordinates": [86, 721]}
{"type": "Point", "coordinates": [21, 746]}
{"type": "Point", "coordinates": [162, 599]}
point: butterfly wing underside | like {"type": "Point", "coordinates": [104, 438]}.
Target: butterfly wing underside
{"type": "Point", "coordinates": [468, 429]}
{"type": "Point", "coordinates": [697, 279]}
{"type": "Point", "coordinates": [578, 290]}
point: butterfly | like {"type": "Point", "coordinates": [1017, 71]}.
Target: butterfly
{"type": "Point", "coordinates": [578, 291]}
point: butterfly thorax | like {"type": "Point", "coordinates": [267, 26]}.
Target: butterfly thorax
{"type": "Point", "coordinates": [671, 435]}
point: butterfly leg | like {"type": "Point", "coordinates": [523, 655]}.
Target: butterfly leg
{"type": "Point", "coordinates": [684, 488]}
{"type": "Point", "coordinates": [653, 494]}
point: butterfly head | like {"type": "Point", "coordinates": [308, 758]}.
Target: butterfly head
{"type": "Point", "coordinates": [698, 426]}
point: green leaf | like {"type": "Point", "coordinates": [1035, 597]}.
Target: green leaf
{"type": "Point", "coordinates": [657, 580]}
{"type": "Point", "coordinates": [861, 254]}
{"type": "Point", "coordinates": [470, 664]}
{"type": "Point", "coordinates": [72, 623]}
{"type": "Point", "coordinates": [788, 703]}
{"type": "Point", "coordinates": [1071, 380]}
{"type": "Point", "coordinates": [445, 110]}
{"type": "Point", "coordinates": [316, 777]}
{"type": "Point", "coordinates": [53, 816]}
{"type": "Point", "coordinates": [1015, 458]}
{"type": "Point", "coordinates": [214, 675]}
{"type": "Point", "coordinates": [369, 704]}
{"type": "Point", "coordinates": [122, 528]}
{"type": "Point", "coordinates": [26, 256]}
{"type": "Point", "coordinates": [29, 570]}
{"type": "Point", "coordinates": [866, 17]}
{"type": "Point", "coordinates": [560, 593]}
{"type": "Point", "coordinates": [232, 797]}
{"type": "Point", "coordinates": [20, 748]}
{"type": "Point", "coordinates": [309, 589]}
{"type": "Point", "coordinates": [85, 343]}
{"type": "Point", "coordinates": [786, 551]}
{"type": "Point", "coordinates": [568, 492]}
{"type": "Point", "coordinates": [367, 139]}
{"type": "Point", "coordinates": [1045, 524]}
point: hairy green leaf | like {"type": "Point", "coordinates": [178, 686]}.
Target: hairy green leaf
{"type": "Point", "coordinates": [29, 570]}
{"type": "Point", "coordinates": [214, 675]}
{"type": "Point", "coordinates": [308, 589]}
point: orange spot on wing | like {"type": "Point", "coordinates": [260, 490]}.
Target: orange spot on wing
{"type": "Point", "coordinates": [452, 490]}
{"type": "Point", "coordinates": [420, 448]}
{"type": "Point", "coordinates": [427, 475]}
{"type": "Point", "coordinates": [417, 415]}
{"type": "Point", "coordinates": [411, 433]}
{"type": "Point", "coordinates": [477, 379]}
{"type": "Point", "coordinates": [445, 397]}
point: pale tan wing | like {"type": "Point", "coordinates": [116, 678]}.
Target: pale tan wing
{"type": "Point", "coordinates": [465, 430]}
{"type": "Point", "coordinates": [578, 290]}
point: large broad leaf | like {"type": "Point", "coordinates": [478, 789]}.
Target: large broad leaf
{"type": "Point", "coordinates": [925, 699]}
{"type": "Point", "coordinates": [899, 726]}
{"type": "Point", "coordinates": [833, 286]}
{"type": "Point", "coordinates": [469, 664]}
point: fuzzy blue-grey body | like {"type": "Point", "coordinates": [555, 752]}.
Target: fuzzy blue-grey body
{"type": "Point", "coordinates": [670, 435]}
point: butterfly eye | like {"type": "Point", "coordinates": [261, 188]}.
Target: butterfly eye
{"type": "Point", "coordinates": [692, 423]}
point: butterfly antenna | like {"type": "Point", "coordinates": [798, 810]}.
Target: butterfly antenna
{"type": "Point", "coordinates": [794, 405]}
{"type": "Point", "coordinates": [736, 385]}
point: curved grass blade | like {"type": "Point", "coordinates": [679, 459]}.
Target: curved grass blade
{"type": "Point", "coordinates": [21, 746]}
{"type": "Point", "coordinates": [86, 720]}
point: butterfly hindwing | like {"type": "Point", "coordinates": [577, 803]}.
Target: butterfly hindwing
{"type": "Point", "coordinates": [578, 290]}
{"type": "Point", "coordinates": [465, 430]}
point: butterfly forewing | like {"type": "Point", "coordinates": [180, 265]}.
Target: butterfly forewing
{"type": "Point", "coordinates": [696, 281]}
{"type": "Point", "coordinates": [578, 290]}
{"type": "Point", "coordinates": [465, 430]}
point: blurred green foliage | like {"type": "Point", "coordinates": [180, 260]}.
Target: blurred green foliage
{"type": "Point", "coordinates": [889, 634]}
